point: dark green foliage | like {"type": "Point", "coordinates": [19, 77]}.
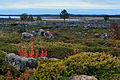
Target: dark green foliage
{"type": "Point", "coordinates": [21, 30]}
{"type": "Point", "coordinates": [30, 18]}
{"type": "Point", "coordinates": [38, 18]}
{"type": "Point", "coordinates": [106, 17]}
{"type": "Point", "coordinates": [15, 24]}
{"type": "Point", "coordinates": [24, 16]}
{"type": "Point", "coordinates": [64, 15]}
{"type": "Point", "coordinates": [9, 18]}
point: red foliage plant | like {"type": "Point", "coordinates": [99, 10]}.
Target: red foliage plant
{"type": "Point", "coordinates": [108, 53]}
{"type": "Point", "coordinates": [116, 30]}
{"type": "Point", "coordinates": [23, 52]}
{"type": "Point", "coordinates": [74, 52]}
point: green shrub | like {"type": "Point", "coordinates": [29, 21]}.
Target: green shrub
{"type": "Point", "coordinates": [50, 70]}
{"type": "Point", "coordinates": [96, 64]}
{"type": "Point", "coordinates": [115, 77]}
{"type": "Point", "coordinates": [21, 30]}
{"type": "Point", "coordinates": [93, 64]}
{"type": "Point", "coordinates": [91, 44]}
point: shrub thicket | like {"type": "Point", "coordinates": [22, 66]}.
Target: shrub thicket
{"type": "Point", "coordinates": [94, 64]}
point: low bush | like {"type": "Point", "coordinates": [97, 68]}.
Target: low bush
{"type": "Point", "coordinates": [100, 65]}
{"type": "Point", "coordinates": [49, 70]}
{"type": "Point", "coordinates": [96, 64]}
{"type": "Point", "coordinates": [21, 30]}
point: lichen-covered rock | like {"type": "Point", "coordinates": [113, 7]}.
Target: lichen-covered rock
{"type": "Point", "coordinates": [48, 34]}
{"type": "Point", "coordinates": [105, 36]}
{"type": "Point", "coordinates": [53, 59]}
{"type": "Point", "coordinates": [34, 33]}
{"type": "Point", "coordinates": [26, 35]}
{"type": "Point", "coordinates": [20, 62]}
{"type": "Point", "coordinates": [82, 77]}
{"type": "Point", "coordinates": [97, 35]}
{"type": "Point", "coordinates": [41, 32]}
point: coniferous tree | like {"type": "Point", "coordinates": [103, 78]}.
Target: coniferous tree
{"type": "Point", "coordinates": [24, 16]}
{"type": "Point", "coordinates": [38, 18]}
{"type": "Point", "coordinates": [30, 18]}
{"type": "Point", "coordinates": [106, 17]}
{"type": "Point", "coordinates": [64, 15]}
{"type": "Point", "coordinates": [9, 18]}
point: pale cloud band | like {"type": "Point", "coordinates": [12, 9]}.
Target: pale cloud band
{"type": "Point", "coordinates": [53, 4]}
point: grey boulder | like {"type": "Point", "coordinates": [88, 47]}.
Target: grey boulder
{"type": "Point", "coordinates": [26, 35]}
{"type": "Point", "coordinates": [34, 33]}
{"type": "Point", "coordinates": [41, 32]}
{"type": "Point", "coordinates": [105, 36]}
{"type": "Point", "coordinates": [20, 62]}
{"type": "Point", "coordinates": [48, 34]}
{"type": "Point", "coordinates": [82, 77]}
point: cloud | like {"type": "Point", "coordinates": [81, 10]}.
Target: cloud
{"type": "Point", "coordinates": [53, 4]}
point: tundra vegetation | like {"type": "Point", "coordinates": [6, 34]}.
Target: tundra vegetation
{"type": "Point", "coordinates": [79, 51]}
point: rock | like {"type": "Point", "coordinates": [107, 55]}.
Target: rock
{"type": "Point", "coordinates": [82, 77]}
{"type": "Point", "coordinates": [41, 32]}
{"type": "Point", "coordinates": [94, 30]}
{"type": "Point", "coordinates": [96, 35]}
{"type": "Point", "coordinates": [56, 27]}
{"type": "Point", "coordinates": [20, 62]}
{"type": "Point", "coordinates": [34, 33]}
{"type": "Point", "coordinates": [105, 36]}
{"type": "Point", "coordinates": [26, 35]}
{"type": "Point", "coordinates": [48, 34]}
{"type": "Point", "coordinates": [80, 34]}
{"type": "Point", "coordinates": [53, 58]}
{"type": "Point", "coordinates": [86, 29]}
{"type": "Point", "coordinates": [56, 33]}
{"type": "Point", "coordinates": [44, 58]}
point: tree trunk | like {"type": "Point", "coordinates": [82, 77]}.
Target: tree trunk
{"type": "Point", "coordinates": [64, 21]}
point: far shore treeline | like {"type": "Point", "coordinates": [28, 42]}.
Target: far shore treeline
{"type": "Point", "coordinates": [72, 15]}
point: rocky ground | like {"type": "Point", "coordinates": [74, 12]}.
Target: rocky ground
{"type": "Point", "coordinates": [60, 41]}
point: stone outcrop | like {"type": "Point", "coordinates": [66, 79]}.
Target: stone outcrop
{"type": "Point", "coordinates": [20, 62]}
{"type": "Point", "coordinates": [40, 33]}
{"type": "Point", "coordinates": [82, 77]}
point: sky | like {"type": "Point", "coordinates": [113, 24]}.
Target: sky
{"type": "Point", "coordinates": [60, 4]}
